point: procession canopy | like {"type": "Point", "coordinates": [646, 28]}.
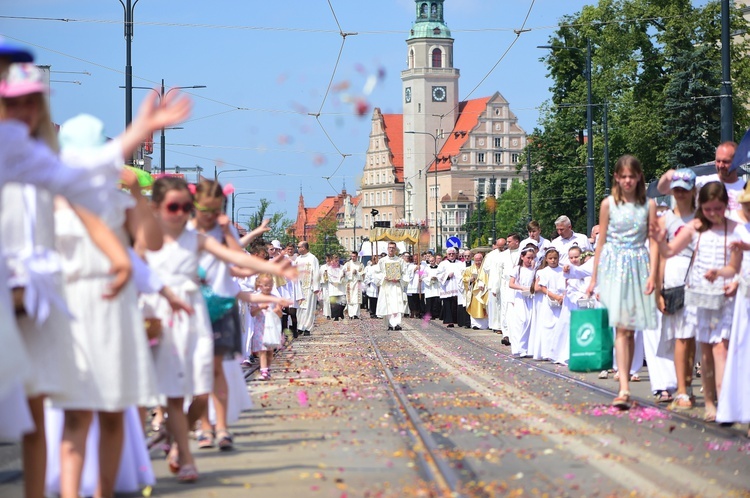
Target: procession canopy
{"type": "Point", "coordinates": [410, 235]}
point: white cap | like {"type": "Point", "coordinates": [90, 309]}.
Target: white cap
{"type": "Point", "coordinates": [276, 244]}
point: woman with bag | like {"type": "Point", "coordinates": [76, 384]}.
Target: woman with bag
{"type": "Point", "coordinates": [672, 276]}
{"type": "Point", "coordinates": [708, 306]}
{"type": "Point", "coordinates": [266, 325]}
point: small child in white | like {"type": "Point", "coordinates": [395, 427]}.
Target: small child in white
{"type": "Point", "coordinates": [266, 326]}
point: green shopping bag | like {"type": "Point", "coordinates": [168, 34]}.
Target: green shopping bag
{"type": "Point", "coordinates": [591, 340]}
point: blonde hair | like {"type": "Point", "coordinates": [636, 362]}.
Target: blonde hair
{"type": "Point", "coordinates": [45, 130]}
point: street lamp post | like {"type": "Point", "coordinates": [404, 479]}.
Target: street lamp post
{"type": "Point", "coordinates": [493, 192]}
{"type": "Point", "coordinates": [590, 208]}
{"type": "Point", "coordinates": [128, 7]}
{"type": "Point", "coordinates": [528, 167]}
{"type": "Point", "coordinates": [435, 139]}
{"type": "Point", "coordinates": [216, 175]}
{"type": "Point", "coordinates": [234, 195]}
{"type": "Point", "coordinates": [162, 95]}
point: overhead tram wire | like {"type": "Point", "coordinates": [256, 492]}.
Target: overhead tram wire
{"type": "Point", "coordinates": [330, 31]}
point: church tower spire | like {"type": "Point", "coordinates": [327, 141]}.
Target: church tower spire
{"type": "Point", "coordinates": [430, 95]}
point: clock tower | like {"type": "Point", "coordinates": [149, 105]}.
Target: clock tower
{"type": "Point", "coordinates": [430, 99]}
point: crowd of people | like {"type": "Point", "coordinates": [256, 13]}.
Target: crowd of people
{"type": "Point", "coordinates": [118, 305]}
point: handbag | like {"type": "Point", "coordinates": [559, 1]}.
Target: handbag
{"type": "Point", "coordinates": [153, 328]}
{"type": "Point", "coordinates": [674, 298]}
{"type": "Point", "coordinates": [708, 298]}
{"type": "Point", "coordinates": [217, 305]}
{"type": "Point", "coordinates": [271, 330]}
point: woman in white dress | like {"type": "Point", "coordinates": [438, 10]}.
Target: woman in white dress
{"type": "Point", "coordinates": [734, 400]}
{"type": "Point", "coordinates": [710, 315]}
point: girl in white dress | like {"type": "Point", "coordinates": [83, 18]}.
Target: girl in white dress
{"type": "Point", "coordinates": [520, 311]}
{"type": "Point", "coordinates": [709, 318]}
{"type": "Point", "coordinates": [575, 290]}
{"type": "Point", "coordinates": [673, 273]}
{"type": "Point", "coordinates": [734, 400]}
{"type": "Point", "coordinates": [184, 358]}
{"type": "Point", "coordinates": [550, 283]}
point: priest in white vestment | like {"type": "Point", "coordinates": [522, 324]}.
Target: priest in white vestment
{"type": "Point", "coordinates": [309, 280]}
{"type": "Point", "coordinates": [449, 275]}
{"type": "Point", "coordinates": [354, 272]}
{"type": "Point", "coordinates": [392, 275]}
{"type": "Point", "coordinates": [494, 277]}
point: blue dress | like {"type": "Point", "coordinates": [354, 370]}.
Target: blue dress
{"type": "Point", "coordinates": [624, 268]}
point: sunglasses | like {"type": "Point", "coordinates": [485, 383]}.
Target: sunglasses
{"type": "Point", "coordinates": [203, 209]}
{"type": "Point", "coordinates": [174, 207]}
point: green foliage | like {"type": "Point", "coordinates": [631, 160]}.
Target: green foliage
{"type": "Point", "coordinates": [511, 216]}
{"type": "Point", "coordinates": [325, 240]}
{"type": "Point", "coordinates": [656, 64]}
{"type": "Point", "coordinates": [277, 223]}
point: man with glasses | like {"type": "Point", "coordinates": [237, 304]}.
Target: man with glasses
{"type": "Point", "coordinates": [392, 274]}
{"type": "Point", "coordinates": [724, 174]}
{"type": "Point", "coordinates": [308, 270]}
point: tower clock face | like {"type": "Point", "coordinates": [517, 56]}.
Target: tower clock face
{"type": "Point", "coordinates": [407, 94]}
{"type": "Point", "coordinates": [438, 94]}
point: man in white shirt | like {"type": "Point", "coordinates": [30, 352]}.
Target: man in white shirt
{"type": "Point", "coordinates": [449, 275]}
{"type": "Point", "coordinates": [567, 238]}
{"type": "Point", "coordinates": [724, 174]}
{"type": "Point", "coordinates": [535, 237]}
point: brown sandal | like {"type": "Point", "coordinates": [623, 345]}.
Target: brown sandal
{"type": "Point", "coordinates": [622, 401]}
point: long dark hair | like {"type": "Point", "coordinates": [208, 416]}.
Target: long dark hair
{"type": "Point", "coordinates": [164, 185]}
{"type": "Point", "coordinates": [712, 191]}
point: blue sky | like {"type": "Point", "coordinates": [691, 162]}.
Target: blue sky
{"type": "Point", "coordinates": [274, 61]}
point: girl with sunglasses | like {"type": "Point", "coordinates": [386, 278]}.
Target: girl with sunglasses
{"type": "Point", "coordinates": [184, 358]}
{"type": "Point", "coordinates": [210, 220]}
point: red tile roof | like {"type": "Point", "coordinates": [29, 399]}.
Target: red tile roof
{"type": "Point", "coordinates": [393, 124]}
{"type": "Point", "coordinates": [468, 117]}
{"type": "Point", "coordinates": [356, 200]}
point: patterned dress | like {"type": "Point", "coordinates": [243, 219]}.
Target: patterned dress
{"type": "Point", "coordinates": [624, 268]}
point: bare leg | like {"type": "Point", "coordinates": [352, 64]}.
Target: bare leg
{"type": "Point", "coordinates": [720, 351]}
{"type": "Point", "coordinates": [112, 435]}
{"type": "Point", "coordinates": [708, 377]}
{"type": "Point", "coordinates": [177, 423]}
{"type": "Point", "coordinates": [73, 451]}
{"type": "Point", "coordinates": [624, 347]}
{"type": "Point", "coordinates": [198, 407]}
{"type": "Point", "coordinates": [220, 397]}
{"type": "Point", "coordinates": [35, 451]}
{"type": "Point", "coordinates": [683, 369]}
{"type": "Point", "coordinates": [264, 362]}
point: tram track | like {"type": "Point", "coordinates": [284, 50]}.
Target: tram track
{"type": "Point", "coordinates": [695, 422]}
{"type": "Point", "coordinates": [625, 465]}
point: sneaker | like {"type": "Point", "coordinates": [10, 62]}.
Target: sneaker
{"type": "Point", "coordinates": [397, 327]}
{"type": "Point", "coordinates": [306, 333]}
{"type": "Point", "coordinates": [246, 363]}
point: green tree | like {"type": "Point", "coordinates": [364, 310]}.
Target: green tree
{"type": "Point", "coordinates": [656, 66]}
{"type": "Point", "coordinates": [325, 240]}
{"type": "Point", "coordinates": [511, 216]}
{"type": "Point", "coordinates": [278, 223]}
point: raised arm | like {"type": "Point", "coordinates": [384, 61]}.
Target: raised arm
{"type": "Point", "coordinates": [279, 266]}
{"type": "Point", "coordinates": [664, 182]}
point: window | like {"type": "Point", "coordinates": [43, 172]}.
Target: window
{"type": "Point", "coordinates": [378, 173]}
{"type": "Point", "coordinates": [377, 199]}
{"type": "Point", "coordinates": [419, 107]}
{"type": "Point", "coordinates": [498, 142]}
{"type": "Point", "coordinates": [390, 197]}
{"type": "Point", "coordinates": [498, 157]}
{"type": "Point", "coordinates": [481, 186]}
{"type": "Point", "coordinates": [367, 199]}
{"type": "Point", "coordinates": [367, 220]}
{"type": "Point", "coordinates": [423, 10]}
{"type": "Point", "coordinates": [434, 191]}
{"type": "Point", "coordinates": [503, 185]}
{"type": "Point", "coordinates": [432, 218]}
{"type": "Point", "coordinates": [514, 158]}
{"type": "Point", "coordinates": [411, 59]}
{"type": "Point", "coordinates": [437, 58]}
{"type": "Point", "coordinates": [480, 157]}
{"type": "Point", "coordinates": [390, 216]}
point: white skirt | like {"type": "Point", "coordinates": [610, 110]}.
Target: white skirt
{"type": "Point", "coordinates": [239, 396]}
{"type": "Point", "coordinates": [113, 364]}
